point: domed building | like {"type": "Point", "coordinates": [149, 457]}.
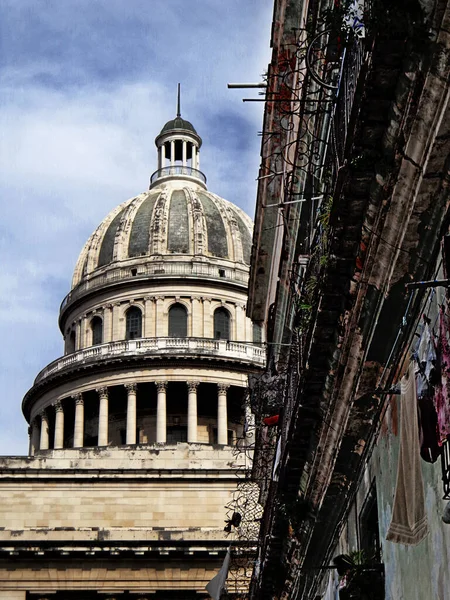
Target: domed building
{"type": "Point", "coordinates": [133, 432]}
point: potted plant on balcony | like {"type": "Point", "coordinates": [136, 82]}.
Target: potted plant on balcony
{"type": "Point", "coordinates": [360, 578]}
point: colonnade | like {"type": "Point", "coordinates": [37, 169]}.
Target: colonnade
{"type": "Point", "coordinates": [40, 434]}
{"type": "Point", "coordinates": [185, 146]}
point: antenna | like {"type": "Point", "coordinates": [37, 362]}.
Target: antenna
{"type": "Point", "coordinates": [178, 102]}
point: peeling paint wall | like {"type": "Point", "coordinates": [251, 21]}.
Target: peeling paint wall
{"type": "Point", "coordinates": [419, 572]}
{"type": "Point", "coordinates": [423, 571]}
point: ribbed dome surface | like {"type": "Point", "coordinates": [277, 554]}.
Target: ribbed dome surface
{"type": "Point", "coordinates": [178, 123]}
{"type": "Point", "coordinates": [178, 220]}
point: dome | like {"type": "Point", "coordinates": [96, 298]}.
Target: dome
{"type": "Point", "coordinates": [178, 123]}
{"type": "Point", "coordinates": [181, 221]}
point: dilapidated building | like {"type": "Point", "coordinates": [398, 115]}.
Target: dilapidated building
{"type": "Point", "coordinates": [135, 432]}
{"type": "Point", "coordinates": [350, 237]}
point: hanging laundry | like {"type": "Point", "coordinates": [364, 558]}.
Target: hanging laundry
{"type": "Point", "coordinates": [426, 377]}
{"type": "Point", "coordinates": [442, 391]}
{"type": "Point", "coordinates": [409, 523]}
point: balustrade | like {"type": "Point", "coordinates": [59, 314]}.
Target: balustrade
{"type": "Point", "coordinates": [160, 345]}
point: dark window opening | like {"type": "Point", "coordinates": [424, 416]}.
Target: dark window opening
{"type": "Point", "coordinates": [176, 433]}
{"type": "Point", "coordinates": [221, 324]}
{"type": "Point", "coordinates": [133, 272]}
{"type": "Point", "coordinates": [177, 321]}
{"type": "Point", "coordinates": [90, 441]}
{"type": "Point", "coordinates": [369, 536]}
{"type": "Point", "coordinates": [221, 272]}
{"type": "Point", "coordinates": [97, 331]}
{"type": "Point", "coordinates": [134, 323]}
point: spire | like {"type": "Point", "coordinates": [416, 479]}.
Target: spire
{"type": "Point", "coordinates": [178, 102]}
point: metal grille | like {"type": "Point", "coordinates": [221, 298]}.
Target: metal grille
{"type": "Point", "coordinates": [221, 324]}
{"type": "Point", "coordinates": [134, 323]}
{"type": "Point", "coordinates": [177, 321]}
{"type": "Point", "coordinates": [97, 331]}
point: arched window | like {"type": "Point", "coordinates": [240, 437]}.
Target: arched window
{"type": "Point", "coordinates": [97, 331]}
{"type": "Point", "coordinates": [134, 323]}
{"type": "Point", "coordinates": [221, 324]}
{"type": "Point", "coordinates": [177, 321]}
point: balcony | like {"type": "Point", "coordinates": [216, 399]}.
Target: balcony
{"type": "Point", "coordinates": [180, 171]}
{"type": "Point", "coordinates": [158, 347]}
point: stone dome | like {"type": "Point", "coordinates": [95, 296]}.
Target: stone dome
{"type": "Point", "coordinates": [176, 124]}
{"type": "Point", "coordinates": [180, 220]}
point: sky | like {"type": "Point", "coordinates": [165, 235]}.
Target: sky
{"type": "Point", "coordinates": [85, 87]}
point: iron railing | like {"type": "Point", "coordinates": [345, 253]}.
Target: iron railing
{"type": "Point", "coordinates": [177, 170]}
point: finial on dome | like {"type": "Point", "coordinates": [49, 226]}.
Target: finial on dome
{"type": "Point", "coordinates": [178, 102]}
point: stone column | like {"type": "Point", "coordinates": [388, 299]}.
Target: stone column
{"type": "Point", "coordinates": [44, 442]}
{"type": "Point", "coordinates": [131, 413]}
{"type": "Point", "coordinates": [78, 342]}
{"type": "Point", "coordinates": [192, 412]}
{"type": "Point", "coordinates": [107, 323]}
{"type": "Point", "coordinates": [160, 320]}
{"type": "Point", "coordinates": [103, 416]}
{"type": "Point", "coordinates": [184, 153]}
{"type": "Point", "coordinates": [194, 157]}
{"type": "Point", "coordinates": [240, 333]}
{"type": "Point", "coordinates": [222, 418]}
{"type": "Point", "coordinates": [78, 432]}
{"type": "Point", "coordinates": [197, 317]}
{"type": "Point", "coordinates": [172, 153]}
{"type": "Point", "coordinates": [34, 437]}
{"type": "Point", "coordinates": [115, 323]}
{"type": "Point", "coordinates": [147, 330]}
{"type": "Point", "coordinates": [208, 319]}
{"type": "Point", "coordinates": [161, 386]}
{"type": "Point", "coordinates": [59, 425]}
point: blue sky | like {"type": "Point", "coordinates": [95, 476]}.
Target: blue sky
{"type": "Point", "coordinates": [85, 86]}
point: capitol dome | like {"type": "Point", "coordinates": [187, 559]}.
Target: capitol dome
{"type": "Point", "coordinates": [177, 219]}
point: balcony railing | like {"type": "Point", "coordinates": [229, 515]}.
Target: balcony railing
{"type": "Point", "coordinates": [157, 270]}
{"type": "Point", "coordinates": [162, 346]}
{"type": "Point", "coordinates": [177, 170]}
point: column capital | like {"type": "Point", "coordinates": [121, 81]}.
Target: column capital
{"type": "Point", "coordinates": [58, 406]}
{"type": "Point", "coordinates": [197, 298]}
{"type": "Point", "coordinates": [131, 387]}
{"type": "Point", "coordinates": [30, 430]}
{"type": "Point", "coordinates": [161, 385]}
{"type": "Point", "coordinates": [192, 385]}
{"type": "Point", "coordinates": [102, 392]}
{"type": "Point", "coordinates": [43, 413]}
{"type": "Point", "coordinates": [78, 398]}
{"type": "Point", "coordinates": [222, 388]}
{"type": "Point", "coordinates": [109, 305]}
